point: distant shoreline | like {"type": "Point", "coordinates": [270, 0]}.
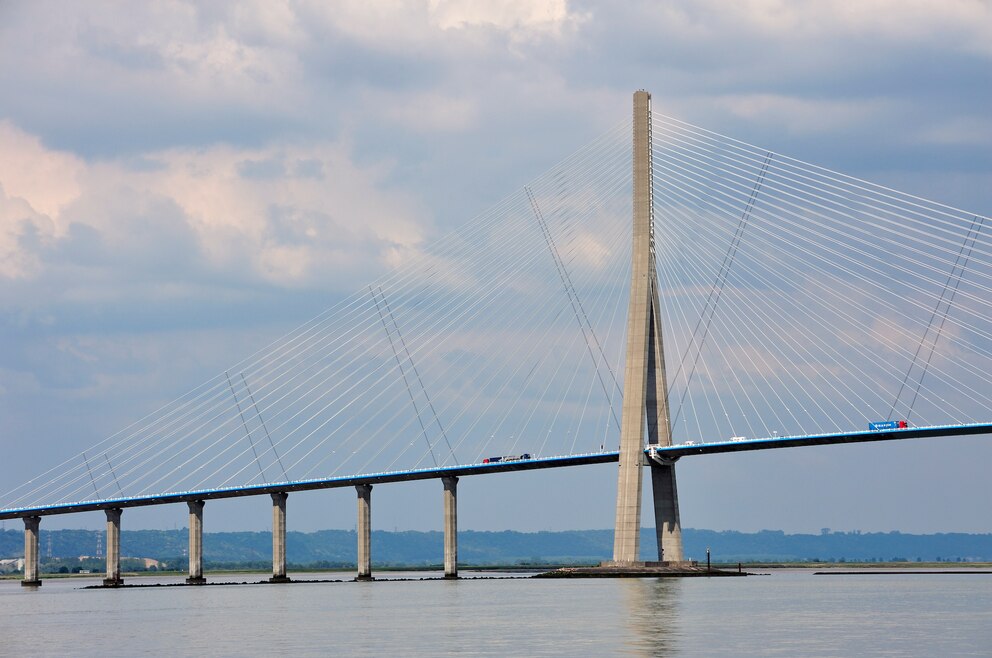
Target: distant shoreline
{"type": "Point", "coordinates": [819, 568]}
{"type": "Point", "coordinates": [160, 551]}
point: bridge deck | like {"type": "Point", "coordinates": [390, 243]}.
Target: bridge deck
{"type": "Point", "coordinates": [863, 436]}
{"type": "Point", "coordinates": [670, 453]}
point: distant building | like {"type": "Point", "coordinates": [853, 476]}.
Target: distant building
{"type": "Point", "coordinates": [10, 565]}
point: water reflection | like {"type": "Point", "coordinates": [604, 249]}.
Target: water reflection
{"type": "Point", "coordinates": [652, 615]}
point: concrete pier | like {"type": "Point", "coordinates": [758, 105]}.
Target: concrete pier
{"type": "Point", "coordinates": [364, 531]}
{"type": "Point", "coordinates": [195, 543]}
{"type": "Point", "coordinates": [666, 513]}
{"type": "Point", "coordinates": [31, 572]}
{"type": "Point", "coordinates": [113, 578]}
{"type": "Point", "coordinates": [279, 538]}
{"type": "Point", "coordinates": [450, 526]}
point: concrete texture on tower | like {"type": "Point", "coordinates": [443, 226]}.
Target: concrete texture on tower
{"type": "Point", "coordinates": [645, 390]}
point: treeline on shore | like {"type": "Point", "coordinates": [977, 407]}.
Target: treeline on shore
{"type": "Point", "coordinates": [337, 548]}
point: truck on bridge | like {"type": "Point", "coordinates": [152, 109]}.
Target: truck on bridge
{"type": "Point", "coordinates": [888, 425]}
{"type": "Point", "coordinates": [507, 458]}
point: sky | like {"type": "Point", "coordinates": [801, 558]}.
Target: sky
{"type": "Point", "coordinates": [181, 183]}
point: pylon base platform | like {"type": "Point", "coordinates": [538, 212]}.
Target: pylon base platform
{"type": "Point", "coordinates": [686, 569]}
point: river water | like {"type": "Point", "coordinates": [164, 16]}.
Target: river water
{"type": "Point", "coordinates": [785, 613]}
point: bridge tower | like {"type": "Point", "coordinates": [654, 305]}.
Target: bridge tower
{"type": "Point", "coordinates": [645, 400]}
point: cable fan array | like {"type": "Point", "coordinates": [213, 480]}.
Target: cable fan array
{"type": "Point", "coordinates": [503, 338]}
{"type": "Point", "coordinates": [794, 299]}
{"type": "Point", "coordinates": [799, 300]}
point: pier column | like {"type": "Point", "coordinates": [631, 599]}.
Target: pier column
{"type": "Point", "coordinates": [195, 543]}
{"type": "Point", "coordinates": [279, 538]}
{"type": "Point", "coordinates": [113, 578]}
{"type": "Point", "coordinates": [666, 513]}
{"type": "Point", "coordinates": [364, 531]}
{"type": "Point", "coordinates": [450, 526]}
{"type": "Point", "coordinates": [31, 524]}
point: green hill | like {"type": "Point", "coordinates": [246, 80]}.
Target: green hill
{"type": "Point", "coordinates": [338, 547]}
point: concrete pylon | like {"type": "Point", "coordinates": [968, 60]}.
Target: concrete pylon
{"type": "Point", "coordinates": [113, 578]}
{"type": "Point", "coordinates": [195, 543]}
{"type": "Point", "coordinates": [645, 401]}
{"type": "Point", "coordinates": [279, 538]}
{"type": "Point", "coordinates": [31, 572]}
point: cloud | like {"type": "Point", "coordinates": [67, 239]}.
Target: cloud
{"type": "Point", "coordinates": [289, 215]}
{"type": "Point", "coordinates": [898, 22]}
{"type": "Point", "coordinates": [963, 131]}
{"type": "Point", "coordinates": [546, 15]}
{"type": "Point", "coordinates": [46, 180]}
{"type": "Point", "coordinates": [433, 112]}
{"type": "Point", "coordinates": [401, 23]}
{"type": "Point", "coordinates": [806, 116]}
{"type": "Point", "coordinates": [21, 231]}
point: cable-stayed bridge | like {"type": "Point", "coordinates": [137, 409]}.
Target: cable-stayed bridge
{"type": "Point", "coordinates": [763, 302]}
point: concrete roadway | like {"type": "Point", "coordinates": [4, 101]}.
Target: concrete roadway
{"type": "Point", "coordinates": [666, 454]}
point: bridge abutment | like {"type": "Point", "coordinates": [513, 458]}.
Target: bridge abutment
{"type": "Point", "coordinates": [364, 528]}
{"type": "Point", "coordinates": [113, 578]}
{"type": "Point", "coordinates": [31, 572]}
{"type": "Point", "coordinates": [450, 526]}
{"type": "Point", "coordinates": [195, 543]}
{"type": "Point", "coordinates": [279, 538]}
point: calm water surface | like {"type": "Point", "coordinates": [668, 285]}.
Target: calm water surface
{"type": "Point", "coordinates": [782, 614]}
